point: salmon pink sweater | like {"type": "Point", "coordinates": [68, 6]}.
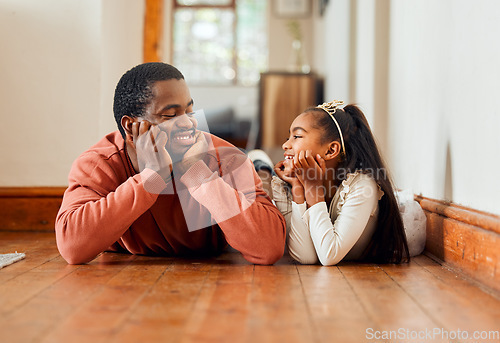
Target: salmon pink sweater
{"type": "Point", "coordinates": [219, 200]}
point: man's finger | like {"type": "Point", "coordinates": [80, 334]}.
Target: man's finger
{"type": "Point", "coordinates": [152, 136]}
{"type": "Point", "coordinates": [135, 130]}
{"type": "Point", "coordinates": [144, 127]}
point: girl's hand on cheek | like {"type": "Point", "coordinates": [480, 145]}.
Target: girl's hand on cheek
{"type": "Point", "coordinates": [310, 171]}
{"type": "Point", "coordinates": [286, 172]}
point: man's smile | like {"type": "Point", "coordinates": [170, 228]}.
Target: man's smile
{"type": "Point", "coordinates": [185, 138]}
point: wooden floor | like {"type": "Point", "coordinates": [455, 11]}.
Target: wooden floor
{"type": "Point", "coordinates": [123, 298]}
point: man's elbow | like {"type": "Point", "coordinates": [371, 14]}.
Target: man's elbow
{"type": "Point", "coordinates": [273, 256]}
{"type": "Point", "coordinates": [72, 255]}
{"type": "Point", "coordinates": [74, 259]}
{"type": "Point", "coordinates": [267, 256]}
{"type": "Point", "coordinates": [71, 252]}
{"type": "Point", "coordinates": [266, 259]}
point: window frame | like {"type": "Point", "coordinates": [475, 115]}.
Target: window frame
{"type": "Point", "coordinates": [234, 62]}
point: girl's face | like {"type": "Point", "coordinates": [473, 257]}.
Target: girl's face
{"type": "Point", "coordinates": [304, 136]}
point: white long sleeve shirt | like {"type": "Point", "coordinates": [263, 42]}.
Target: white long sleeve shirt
{"type": "Point", "coordinates": [332, 234]}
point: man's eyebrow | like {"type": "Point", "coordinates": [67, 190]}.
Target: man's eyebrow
{"type": "Point", "coordinates": [297, 128]}
{"type": "Point", "coordinates": [166, 108]}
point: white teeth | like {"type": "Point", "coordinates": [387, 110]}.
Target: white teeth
{"type": "Point", "coordinates": [183, 137]}
{"type": "Point", "coordinates": [288, 157]}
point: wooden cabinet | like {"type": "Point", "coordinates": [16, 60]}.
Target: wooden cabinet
{"type": "Point", "coordinates": [283, 96]}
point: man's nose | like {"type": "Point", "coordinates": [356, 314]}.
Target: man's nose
{"type": "Point", "coordinates": [183, 122]}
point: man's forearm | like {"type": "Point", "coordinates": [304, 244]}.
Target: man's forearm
{"type": "Point", "coordinates": [87, 223]}
{"type": "Point", "coordinates": [251, 224]}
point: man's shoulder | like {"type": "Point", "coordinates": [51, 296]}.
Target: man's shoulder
{"type": "Point", "coordinates": [109, 150]}
{"type": "Point", "coordinates": [107, 156]}
{"type": "Point", "coordinates": [224, 149]}
{"type": "Point", "coordinates": [218, 142]}
{"type": "Point", "coordinates": [109, 145]}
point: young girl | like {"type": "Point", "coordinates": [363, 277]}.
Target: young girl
{"type": "Point", "coordinates": [335, 191]}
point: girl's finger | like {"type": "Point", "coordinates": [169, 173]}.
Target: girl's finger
{"type": "Point", "coordinates": [280, 165]}
{"type": "Point", "coordinates": [321, 162]}
{"type": "Point", "coordinates": [296, 162]}
{"type": "Point", "coordinates": [310, 158]}
{"type": "Point", "coordinates": [301, 159]}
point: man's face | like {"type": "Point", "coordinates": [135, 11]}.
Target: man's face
{"type": "Point", "coordinates": [171, 109]}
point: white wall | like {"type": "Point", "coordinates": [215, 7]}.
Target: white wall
{"type": "Point", "coordinates": [122, 36]}
{"type": "Point", "coordinates": [59, 65]}
{"type": "Point", "coordinates": [444, 103]}
{"type": "Point", "coordinates": [429, 71]}
{"type": "Point", "coordinates": [336, 51]}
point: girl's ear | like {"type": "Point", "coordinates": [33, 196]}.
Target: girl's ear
{"type": "Point", "coordinates": [333, 150]}
{"type": "Point", "coordinates": [127, 124]}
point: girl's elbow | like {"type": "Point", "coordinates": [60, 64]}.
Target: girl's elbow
{"type": "Point", "coordinates": [304, 258]}
{"type": "Point", "coordinates": [328, 260]}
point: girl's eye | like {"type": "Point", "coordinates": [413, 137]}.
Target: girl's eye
{"type": "Point", "coordinates": [297, 137]}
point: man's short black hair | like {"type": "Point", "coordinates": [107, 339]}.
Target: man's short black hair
{"type": "Point", "coordinates": [134, 90]}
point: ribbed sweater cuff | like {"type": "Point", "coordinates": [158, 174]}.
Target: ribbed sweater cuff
{"type": "Point", "coordinates": [152, 181]}
{"type": "Point", "coordinates": [196, 175]}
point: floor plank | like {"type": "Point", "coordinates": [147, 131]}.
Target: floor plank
{"type": "Point", "coordinates": [384, 301]}
{"type": "Point", "coordinates": [125, 298]}
{"type": "Point", "coordinates": [335, 309]}
{"type": "Point", "coordinates": [461, 304]}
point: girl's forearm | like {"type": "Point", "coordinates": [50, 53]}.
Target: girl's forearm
{"type": "Point", "coordinates": [298, 193]}
{"type": "Point", "coordinates": [314, 194]}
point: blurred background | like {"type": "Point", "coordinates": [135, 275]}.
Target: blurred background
{"type": "Point", "coordinates": [426, 73]}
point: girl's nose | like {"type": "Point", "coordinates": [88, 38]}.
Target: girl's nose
{"type": "Point", "coordinates": [285, 145]}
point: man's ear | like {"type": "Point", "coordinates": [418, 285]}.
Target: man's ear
{"type": "Point", "coordinates": [333, 150]}
{"type": "Point", "coordinates": [127, 124]}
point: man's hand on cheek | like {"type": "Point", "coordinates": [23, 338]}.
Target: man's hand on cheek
{"type": "Point", "coordinates": [195, 153]}
{"type": "Point", "coordinates": [150, 144]}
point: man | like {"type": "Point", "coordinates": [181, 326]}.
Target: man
{"type": "Point", "coordinates": [161, 187]}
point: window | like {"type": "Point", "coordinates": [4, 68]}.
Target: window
{"type": "Point", "coordinates": [220, 42]}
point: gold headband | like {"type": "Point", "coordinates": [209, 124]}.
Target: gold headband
{"type": "Point", "coordinates": [331, 108]}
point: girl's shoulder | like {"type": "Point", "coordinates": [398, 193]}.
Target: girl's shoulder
{"type": "Point", "coordinates": [358, 184]}
{"type": "Point", "coordinates": [358, 179]}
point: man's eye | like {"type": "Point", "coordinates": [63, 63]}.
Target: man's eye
{"type": "Point", "coordinates": [168, 115]}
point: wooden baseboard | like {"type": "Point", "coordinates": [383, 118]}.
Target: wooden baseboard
{"type": "Point", "coordinates": [465, 239]}
{"type": "Point", "coordinates": [29, 208]}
